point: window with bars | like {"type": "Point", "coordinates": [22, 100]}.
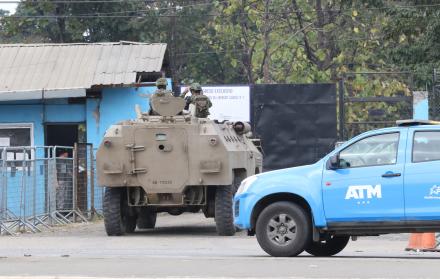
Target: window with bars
{"type": "Point", "coordinates": [13, 139]}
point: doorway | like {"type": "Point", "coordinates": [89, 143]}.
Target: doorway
{"type": "Point", "coordinates": [71, 169]}
{"type": "Point", "coordinates": [63, 134]}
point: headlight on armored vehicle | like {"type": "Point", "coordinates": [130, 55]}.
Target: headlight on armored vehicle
{"type": "Point", "coordinates": [245, 184]}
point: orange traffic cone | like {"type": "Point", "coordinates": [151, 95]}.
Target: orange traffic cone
{"type": "Point", "coordinates": [423, 242]}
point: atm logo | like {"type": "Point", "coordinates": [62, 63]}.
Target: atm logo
{"type": "Point", "coordinates": [359, 192]}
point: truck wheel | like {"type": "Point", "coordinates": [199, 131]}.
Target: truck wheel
{"type": "Point", "coordinates": [283, 229]}
{"type": "Point", "coordinates": [329, 247]}
{"type": "Point", "coordinates": [146, 218]}
{"type": "Point", "coordinates": [117, 218]}
{"type": "Point", "coordinates": [224, 217]}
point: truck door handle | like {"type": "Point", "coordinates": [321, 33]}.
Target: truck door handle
{"type": "Point", "coordinates": [391, 174]}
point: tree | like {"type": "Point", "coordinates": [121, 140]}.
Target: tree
{"type": "Point", "coordinates": [249, 41]}
{"type": "Point", "coordinates": [412, 40]}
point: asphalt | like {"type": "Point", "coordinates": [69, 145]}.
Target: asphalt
{"type": "Point", "coordinates": [187, 246]}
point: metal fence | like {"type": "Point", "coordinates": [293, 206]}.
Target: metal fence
{"type": "Point", "coordinates": [372, 100]}
{"type": "Point", "coordinates": [47, 186]}
{"type": "Point", "coordinates": [434, 97]}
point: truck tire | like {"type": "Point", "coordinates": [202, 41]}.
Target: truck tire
{"type": "Point", "coordinates": [224, 216]}
{"type": "Point", "coordinates": [283, 229]}
{"type": "Point", "coordinates": [117, 220]}
{"type": "Point", "coordinates": [328, 247]}
{"type": "Point", "coordinates": [146, 218]}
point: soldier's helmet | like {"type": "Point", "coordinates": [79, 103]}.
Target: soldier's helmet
{"type": "Point", "coordinates": [195, 87]}
{"type": "Point", "coordinates": [161, 82]}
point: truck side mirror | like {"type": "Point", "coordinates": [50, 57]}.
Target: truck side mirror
{"type": "Point", "coordinates": [333, 162]}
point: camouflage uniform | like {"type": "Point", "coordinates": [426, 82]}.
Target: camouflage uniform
{"type": "Point", "coordinates": [202, 104]}
{"type": "Point", "coordinates": [161, 91]}
{"type": "Point", "coordinates": [200, 101]}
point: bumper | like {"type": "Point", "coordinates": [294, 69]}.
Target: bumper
{"type": "Point", "coordinates": [243, 206]}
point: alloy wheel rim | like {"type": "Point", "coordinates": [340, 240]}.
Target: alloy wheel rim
{"type": "Point", "coordinates": [281, 229]}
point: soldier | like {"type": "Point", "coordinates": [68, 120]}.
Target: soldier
{"type": "Point", "coordinates": [161, 91]}
{"type": "Point", "coordinates": [200, 101]}
{"type": "Point", "coordinates": [186, 96]}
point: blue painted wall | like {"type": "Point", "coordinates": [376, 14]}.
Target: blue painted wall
{"type": "Point", "coordinates": [36, 113]}
{"type": "Point", "coordinates": [116, 104]}
{"type": "Point", "coordinates": [25, 114]}
{"type": "Point", "coordinates": [421, 105]}
{"type": "Point", "coordinates": [421, 110]}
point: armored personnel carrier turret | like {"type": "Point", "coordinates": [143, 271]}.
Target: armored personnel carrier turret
{"type": "Point", "coordinates": [173, 162]}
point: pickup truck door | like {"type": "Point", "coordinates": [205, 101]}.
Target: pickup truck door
{"type": "Point", "coordinates": [368, 185]}
{"type": "Point", "coordinates": [422, 175]}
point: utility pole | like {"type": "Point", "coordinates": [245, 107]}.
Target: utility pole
{"type": "Point", "coordinates": [173, 45]}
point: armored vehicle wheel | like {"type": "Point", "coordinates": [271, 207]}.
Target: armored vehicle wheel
{"type": "Point", "coordinates": [146, 218]}
{"type": "Point", "coordinates": [283, 229]}
{"type": "Point", "coordinates": [117, 217]}
{"type": "Point", "coordinates": [224, 216]}
{"type": "Point", "coordinates": [329, 247]}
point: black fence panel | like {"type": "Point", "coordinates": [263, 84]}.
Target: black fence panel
{"type": "Point", "coordinates": [295, 122]}
{"type": "Point", "coordinates": [434, 97]}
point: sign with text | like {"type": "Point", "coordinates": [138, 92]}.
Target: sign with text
{"type": "Point", "coordinates": [228, 102]}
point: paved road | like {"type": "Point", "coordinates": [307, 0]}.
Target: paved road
{"type": "Point", "coordinates": [189, 247]}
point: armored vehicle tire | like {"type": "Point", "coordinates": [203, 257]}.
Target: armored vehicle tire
{"type": "Point", "coordinates": [329, 247]}
{"type": "Point", "coordinates": [283, 229]}
{"type": "Point", "coordinates": [224, 216]}
{"type": "Point", "coordinates": [117, 220]}
{"type": "Point", "coordinates": [146, 218]}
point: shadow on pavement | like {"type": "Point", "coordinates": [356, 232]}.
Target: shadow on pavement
{"type": "Point", "coordinates": [178, 230]}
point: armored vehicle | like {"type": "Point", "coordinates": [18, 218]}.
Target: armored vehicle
{"type": "Point", "coordinates": [168, 161]}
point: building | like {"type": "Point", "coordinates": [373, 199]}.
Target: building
{"type": "Point", "coordinates": [59, 94]}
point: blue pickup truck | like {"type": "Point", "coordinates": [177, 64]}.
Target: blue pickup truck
{"type": "Point", "coordinates": [382, 181]}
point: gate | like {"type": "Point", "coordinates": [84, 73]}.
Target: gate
{"type": "Point", "coordinates": [39, 187]}
{"type": "Point", "coordinates": [295, 122]}
{"type": "Point", "coordinates": [372, 100]}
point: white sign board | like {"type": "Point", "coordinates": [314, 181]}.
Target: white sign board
{"type": "Point", "coordinates": [228, 102]}
{"type": "Point", "coordinates": [5, 142]}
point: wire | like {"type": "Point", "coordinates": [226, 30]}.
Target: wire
{"type": "Point", "coordinates": [209, 3]}
{"type": "Point", "coordinates": [111, 2]}
{"type": "Point", "coordinates": [210, 52]}
{"type": "Point", "coordinates": [120, 14]}
{"type": "Point", "coordinates": [71, 2]}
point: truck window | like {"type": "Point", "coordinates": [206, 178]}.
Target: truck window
{"type": "Point", "coordinates": [372, 151]}
{"type": "Point", "coordinates": [426, 146]}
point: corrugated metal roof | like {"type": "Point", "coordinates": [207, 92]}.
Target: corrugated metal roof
{"type": "Point", "coordinates": [35, 67]}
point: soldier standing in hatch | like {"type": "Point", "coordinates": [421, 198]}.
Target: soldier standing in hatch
{"type": "Point", "coordinates": [201, 102]}
{"type": "Point", "coordinates": [161, 91]}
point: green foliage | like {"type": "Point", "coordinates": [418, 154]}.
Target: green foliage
{"type": "Point", "coordinates": [412, 40]}
{"type": "Point", "coordinates": [250, 41]}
